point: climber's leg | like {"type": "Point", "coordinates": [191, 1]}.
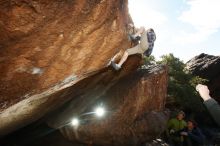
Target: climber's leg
{"type": "Point", "coordinates": [130, 51]}
{"type": "Point", "coordinates": [123, 59]}
{"type": "Point", "coordinates": [114, 57]}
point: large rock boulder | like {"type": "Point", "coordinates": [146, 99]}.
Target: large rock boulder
{"type": "Point", "coordinates": [207, 67]}
{"type": "Point", "coordinates": [134, 103]}
{"type": "Point", "coordinates": [135, 109]}
{"type": "Point", "coordinates": [53, 67]}
{"type": "Point", "coordinates": [44, 42]}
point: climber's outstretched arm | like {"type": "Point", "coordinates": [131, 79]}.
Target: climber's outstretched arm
{"type": "Point", "coordinates": [139, 32]}
{"type": "Point", "coordinates": [212, 106]}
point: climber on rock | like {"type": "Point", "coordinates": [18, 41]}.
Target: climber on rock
{"type": "Point", "coordinates": [145, 46]}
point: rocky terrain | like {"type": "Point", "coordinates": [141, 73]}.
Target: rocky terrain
{"type": "Point", "coordinates": [207, 67]}
{"type": "Point", "coordinates": [53, 67]}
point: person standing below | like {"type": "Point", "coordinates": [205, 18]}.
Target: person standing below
{"type": "Point", "coordinates": [175, 125]}
{"type": "Point", "coordinates": [212, 106]}
{"type": "Point", "coordinates": [145, 47]}
{"type": "Point", "coordinates": [192, 135]}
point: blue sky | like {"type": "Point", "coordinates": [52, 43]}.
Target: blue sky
{"type": "Point", "coordinates": [185, 28]}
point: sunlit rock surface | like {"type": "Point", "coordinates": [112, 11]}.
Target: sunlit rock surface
{"type": "Point", "coordinates": [46, 44]}
{"type": "Point", "coordinates": [208, 67]}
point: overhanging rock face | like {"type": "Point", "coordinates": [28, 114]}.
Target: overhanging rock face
{"type": "Point", "coordinates": [135, 109]}
{"type": "Point", "coordinates": [47, 44]}
{"type": "Point", "coordinates": [44, 42]}
{"type": "Point", "coordinates": [53, 67]}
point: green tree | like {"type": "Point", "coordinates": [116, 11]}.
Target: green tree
{"type": "Point", "coordinates": [181, 85]}
{"type": "Point", "coordinates": [149, 60]}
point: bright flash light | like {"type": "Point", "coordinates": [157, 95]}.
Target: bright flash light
{"type": "Point", "coordinates": [100, 111]}
{"type": "Point", "coordinates": [75, 122]}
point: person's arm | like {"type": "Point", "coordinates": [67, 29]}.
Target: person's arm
{"type": "Point", "coordinates": [214, 109]}
{"type": "Point", "coordinates": [197, 136]}
{"type": "Point", "coordinates": [139, 31]}
{"type": "Point", "coordinates": [212, 106]}
{"type": "Point", "coordinates": [169, 127]}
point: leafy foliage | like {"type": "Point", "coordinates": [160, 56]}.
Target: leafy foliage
{"type": "Point", "coordinates": [181, 85]}
{"type": "Point", "coordinates": [150, 60]}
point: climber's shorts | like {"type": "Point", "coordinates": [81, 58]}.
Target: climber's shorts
{"type": "Point", "coordinates": [141, 47]}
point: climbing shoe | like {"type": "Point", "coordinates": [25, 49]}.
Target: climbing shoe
{"type": "Point", "coordinates": [115, 66]}
{"type": "Point", "coordinates": [110, 62]}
